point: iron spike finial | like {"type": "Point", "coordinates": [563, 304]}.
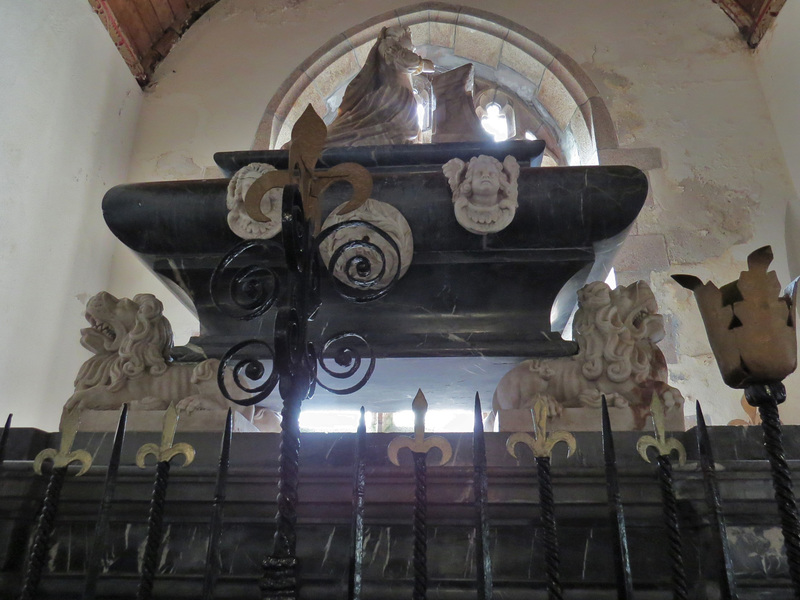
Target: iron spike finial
{"type": "Point", "coordinates": [65, 455]}
{"type": "Point", "coordinates": [541, 442]}
{"type": "Point", "coordinates": [167, 451]}
{"type": "Point", "coordinates": [419, 444]}
{"type": "Point", "coordinates": [663, 446]}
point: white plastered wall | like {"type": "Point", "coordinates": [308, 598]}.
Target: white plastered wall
{"type": "Point", "coordinates": [675, 75]}
{"type": "Point", "coordinates": [68, 108]}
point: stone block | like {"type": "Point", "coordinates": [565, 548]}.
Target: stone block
{"type": "Point", "coordinates": [645, 159]}
{"type": "Point", "coordinates": [522, 62]}
{"type": "Point", "coordinates": [605, 134]}
{"type": "Point", "coordinates": [557, 100]}
{"type": "Point", "coordinates": [330, 79]}
{"type": "Point", "coordinates": [583, 138]}
{"type": "Point", "coordinates": [642, 253]}
{"type": "Point", "coordinates": [477, 46]}
{"type": "Point", "coordinates": [442, 29]}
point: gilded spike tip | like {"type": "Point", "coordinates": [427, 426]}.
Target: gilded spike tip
{"type": "Point", "coordinates": [167, 451]}
{"type": "Point", "coordinates": [419, 444]}
{"type": "Point", "coordinates": [65, 455]}
{"type": "Point", "coordinates": [663, 446]}
{"type": "Point", "coordinates": [541, 443]}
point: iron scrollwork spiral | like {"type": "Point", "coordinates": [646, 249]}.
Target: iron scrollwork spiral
{"type": "Point", "coordinates": [243, 285]}
{"type": "Point", "coordinates": [362, 259]}
{"type": "Point", "coordinates": [348, 351]}
{"type": "Point", "coordinates": [248, 365]}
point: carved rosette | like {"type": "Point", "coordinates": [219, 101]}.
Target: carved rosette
{"type": "Point", "coordinates": [484, 192]}
{"type": "Point", "coordinates": [361, 256]}
{"type": "Point", "coordinates": [239, 221]}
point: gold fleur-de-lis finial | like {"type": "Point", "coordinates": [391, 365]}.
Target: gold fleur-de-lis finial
{"type": "Point", "coordinates": [419, 443]}
{"type": "Point", "coordinates": [308, 140]}
{"type": "Point", "coordinates": [65, 454]}
{"type": "Point", "coordinates": [167, 451]}
{"type": "Point", "coordinates": [541, 443]}
{"type": "Point", "coordinates": [663, 446]}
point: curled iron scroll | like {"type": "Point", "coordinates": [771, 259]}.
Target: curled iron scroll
{"type": "Point", "coordinates": [348, 351]}
{"type": "Point", "coordinates": [243, 285]}
{"type": "Point", "coordinates": [360, 268]}
{"type": "Point", "coordinates": [249, 365]}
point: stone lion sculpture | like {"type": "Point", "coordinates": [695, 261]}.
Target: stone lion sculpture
{"type": "Point", "coordinates": [616, 331]}
{"type": "Point", "coordinates": [484, 192]}
{"type": "Point", "coordinates": [131, 341]}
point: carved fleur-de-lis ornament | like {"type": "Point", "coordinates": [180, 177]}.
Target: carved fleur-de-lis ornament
{"type": "Point", "coordinates": [663, 446]}
{"type": "Point", "coordinates": [308, 140]}
{"type": "Point", "coordinates": [167, 450]}
{"type": "Point", "coordinates": [419, 443]}
{"type": "Point", "coordinates": [65, 454]}
{"type": "Point", "coordinates": [541, 443]}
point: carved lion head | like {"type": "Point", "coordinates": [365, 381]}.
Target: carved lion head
{"type": "Point", "coordinates": [128, 337]}
{"type": "Point", "coordinates": [617, 331]}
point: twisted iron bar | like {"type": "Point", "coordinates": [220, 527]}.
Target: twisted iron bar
{"type": "Point", "coordinates": [767, 397]}
{"type": "Point", "coordinates": [616, 512]}
{"type": "Point", "coordinates": [727, 580]}
{"type": "Point", "coordinates": [551, 553]}
{"type": "Point", "coordinates": [357, 530]}
{"type": "Point", "coordinates": [155, 525]}
{"type": "Point", "coordinates": [44, 529]}
{"type": "Point", "coordinates": [420, 558]}
{"type": "Point", "coordinates": [480, 485]}
{"type": "Point", "coordinates": [101, 529]}
{"type": "Point", "coordinates": [215, 528]}
{"type": "Point", "coordinates": [670, 505]}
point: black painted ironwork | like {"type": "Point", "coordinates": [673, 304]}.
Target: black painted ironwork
{"type": "Point", "coordinates": [41, 539]}
{"type": "Point", "coordinates": [727, 581]}
{"type": "Point", "coordinates": [248, 363]}
{"type": "Point", "coordinates": [369, 272]}
{"type": "Point", "coordinates": [101, 527]}
{"type": "Point", "coordinates": [420, 527]}
{"type": "Point", "coordinates": [766, 397]}
{"type": "Point", "coordinates": [215, 526]}
{"type": "Point", "coordinates": [480, 486]}
{"type": "Point", "coordinates": [354, 579]}
{"type": "Point", "coordinates": [616, 513]}
{"type": "Point", "coordinates": [672, 524]}
{"type": "Point", "coordinates": [552, 559]}
{"type": "Point", "coordinates": [4, 439]}
{"type": "Point", "coordinates": [347, 356]}
{"type": "Point", "coordinates": [244, 286]}
{"type": "Point", "coordinates": [155, 518]}
{"type": "Point", "coordinates": [295, 361]}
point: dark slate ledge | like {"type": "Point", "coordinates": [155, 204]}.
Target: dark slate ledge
{"type": "Point", "coordinates": [381, 156]}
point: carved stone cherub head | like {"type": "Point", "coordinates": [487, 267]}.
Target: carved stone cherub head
{"type": "Point", "coordinates": [484, 192]}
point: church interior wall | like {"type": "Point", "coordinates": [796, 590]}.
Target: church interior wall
{"type": "Point", "coordinates": [68, 108]}
{"type": "Point", "coordinates": [675, 76]}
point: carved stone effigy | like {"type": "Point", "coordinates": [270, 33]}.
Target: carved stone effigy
{"type": "Point", "coordinates": [131, 341]}
{"type": "Point", "coordinates": [239, 221]}
{"type": "Point", "coordinates": [454, 119]}
{"type": "Point", "coordinates": [361, 245]}
{"type": "Point", "coordinates": [378, 106]}
{"type": "Point", "coordinates": [484, 192]}
{"type": "Point", "coordinates": [616, 331]}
